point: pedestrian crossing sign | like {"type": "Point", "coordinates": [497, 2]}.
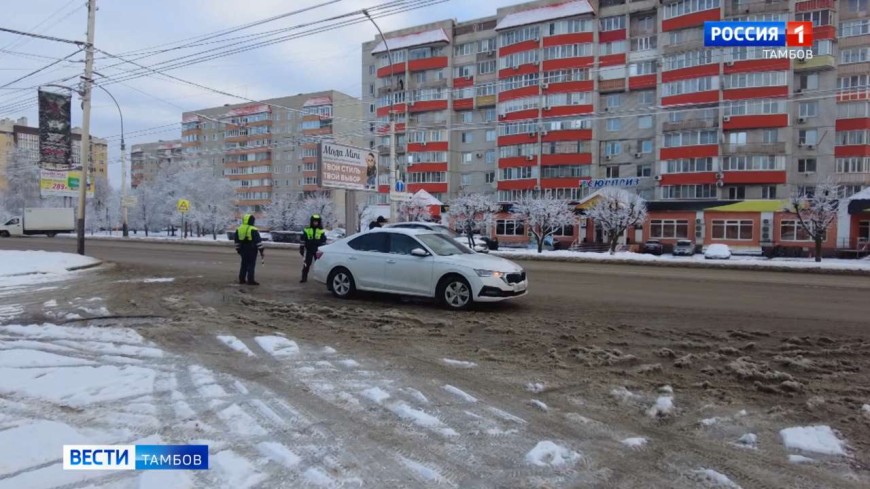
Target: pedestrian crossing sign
{"type": "Point", "coordinates": [182, 206]}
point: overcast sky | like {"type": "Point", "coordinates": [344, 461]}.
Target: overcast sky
{"type": "Point", "coordinates": [329, 60]}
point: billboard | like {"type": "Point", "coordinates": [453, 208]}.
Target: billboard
{"type": "Point", "coordinates": [55, 131]}
{"type": "Point", "coordinates": [348, 167]}
{"type": "Point", "coordinates": [62, 183]}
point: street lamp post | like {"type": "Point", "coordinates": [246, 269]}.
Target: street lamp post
{"type": "Point", "coordinates": [125, 228]}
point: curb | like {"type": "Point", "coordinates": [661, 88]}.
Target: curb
{"type": "Point", "coordinates": [708, 266]}
{"type": "Point", "coordinates": [85, 267]}
{"type": "Point", "coordinates": [267, 244]}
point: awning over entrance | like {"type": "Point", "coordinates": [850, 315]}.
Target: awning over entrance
{"type": "Point", "coordinates": [753, 206]}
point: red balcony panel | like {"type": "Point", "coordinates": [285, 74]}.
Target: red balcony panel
{"type": "Point", "coordinates": [517, 48]}
{"type": "Point", "coordinates": [575, 38]}
{"type": "Point", "coordinates": [517, 71]}
{"type": "Point", "coordinates": [463, 104]}
{"type": "Point", "coordinates": [611, 60]}
{"type": "Point", "coordinates": [568, 87]}
{"type": "Point", "coordinates": [520, 115]}
{"type": "Point", "coordinates": [853, 124]}
{"type": "Point", "coordinates": [641, 82]}
{"type": "Point", "coordinates": [383, 189]}
{"type": "Point", "coordinates": [560, 182]}
{"type": "Point", "coordinates": [566, 159]}
{"type": "Point", "coordinates": [565, 110]}
{"type": "Point", "coordinates": [814, 5]}
{"type": "Point", "coordinates": [755, 121]}
{"type": "Point", "coordinates": [427, 167]}
{"type": "Point", "coordinates": [397, 68]}
{"type": "Point", "coordinates": [517, 184]}
{"type": "Point", "coordinates": [462, 82]}
{"type": "Point", "coordinates": [427, 106]}
{"type": "Point", "coordinates": [854, 150]}
{"type": "Point", "coordinates": [517, 162]}
{"type": "Point", "coordinates": [689, 152]}
{"type": "Point", "coordinates": [568, 135]}
{"type": "Point", "coordinates": [692, 98]}
{"type": "Point", "coordinates": [515, 139]}
{"type": "Point", "coordinates": [610, 36]}
{"type": "Point", "coordinates": [853, 95]}
{"type": "Point", "coordinates": [383, 111]}
{"type": "Point", "coordinates": [431, 146]}
{"type": "Point", "coordinates": [825, 32]}
{"type": "Point", "coordinates": [757, 92]}
{"type": "Point", "coordinates": [692, 72]}
{"type": "Point", "coordinates": [518, 93]}
{"type": "Point", "coordinates": [692, 20]}
{"type": "Point", "coordinates": [432, 188]}
{"type": "Point", "coordinates": [400, 127]}
{"type": "Point", "coordinates": [569, 63]}
{"type": "Point", "coordinates": [400, 108]}
{"type": "Point", "coordinates": [688, 178]}
{"type": "Point", "coordinates": [424, 64]}
{"type": "Point", "coordinates": [753, 65]}
{"type": "Point", "coordinates": [757, 177]}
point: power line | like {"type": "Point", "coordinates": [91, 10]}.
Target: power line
{"type": "Point", "coordinates": [40, 36]}
{"type": "Point", "coordinates": [43, 68]}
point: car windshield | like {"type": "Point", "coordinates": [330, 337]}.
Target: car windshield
{"type": "Point", "coordinates": [684, 243]}
{"type": "Point", "coordinates": [443, 245]}
{"type": "Point", "coordinates": [444, 230]}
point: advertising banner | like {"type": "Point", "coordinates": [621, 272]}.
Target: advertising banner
{"type": "Point", "coordinates": [62, 183]}
{"type": "Point", "coordinates": [55, 131]}
{"type": "Point", "coordinates": [348, 167]}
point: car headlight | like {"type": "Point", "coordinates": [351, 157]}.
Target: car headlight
{"type": "Point", "coordinates": [489, 273]}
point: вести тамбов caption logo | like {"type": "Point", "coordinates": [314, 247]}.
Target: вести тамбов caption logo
{"type": "Point", "coordinates": [785, 40]}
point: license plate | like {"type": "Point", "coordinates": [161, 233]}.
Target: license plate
{"type": "Point", "coordinates": [519, 287]}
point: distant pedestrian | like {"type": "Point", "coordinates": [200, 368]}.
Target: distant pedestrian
{"type": "Point", "coordinates": [378, 223]}
{"type": "Point", "coordinates": [248, 243]}
{"type": "Point", "coordinates": [313, 237]}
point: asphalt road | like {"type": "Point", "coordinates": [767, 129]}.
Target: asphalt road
{"type": "Point", "coordinates": [644, 296]}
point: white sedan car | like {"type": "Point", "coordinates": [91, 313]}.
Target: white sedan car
{"type": "Point", "coordinates": [480, 245]}
{"type": "Point", "coordinates": [417, 262]}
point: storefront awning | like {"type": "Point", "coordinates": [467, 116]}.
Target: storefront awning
{"type": "Point", "coordinates": [753, 206]}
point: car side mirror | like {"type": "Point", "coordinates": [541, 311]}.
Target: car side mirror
{"type": "Point", "coordinates": [419, 252]}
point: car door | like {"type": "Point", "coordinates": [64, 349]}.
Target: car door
{"type": "Point", "coordinates": [367, 259]}
{"type": "Point", "coordinates": [405, 273]}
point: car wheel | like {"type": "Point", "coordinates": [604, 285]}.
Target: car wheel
{"type": "Point", "coordinates": [341, 283]}
{"type": "Point", "coordinates": [4, 234]}
{"type": "Point", "coordinates": [51, 235]}
{"type": "Point", "coordinates": [455, 293]}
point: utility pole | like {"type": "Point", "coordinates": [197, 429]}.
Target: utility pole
{"type": "Point", "coordinates": [124, 227]}
{"type": "Point", "coordinates": [394, 170]}
{"type": "Point", "coordinates": [86, 127]}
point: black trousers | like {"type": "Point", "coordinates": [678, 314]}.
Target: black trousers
{"type": "Point", "coordinates": [249, 263]}
{"type": "Point", "coordinates": [309, 259]}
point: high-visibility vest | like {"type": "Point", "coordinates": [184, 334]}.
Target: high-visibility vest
{"type": "Point", "coordinates": [313, 234]}
{"type": "Point", "coordinates": [244, 231]}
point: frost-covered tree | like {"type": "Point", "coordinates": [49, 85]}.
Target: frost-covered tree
{"type": "Point", "coordinates": [102, 208]}
{"type": "Point", "coordinates": [211, 196]}
{"type": "Point", "coordinates": [22, 182]}
{"type": "Point", "coordinates": [365, 213]}
{"type": "Point", "coordinates": [472, 211]}
{"type": "Point", "coordinates": [321, 204]}
{"type": "Point", "coordinates": [816, 211]}
{"type": "Point", "coordinates": [616, 210]}
{"type": "Point", "coordinates": [414, 209]}
{"type": "Point", "coordinates": [149, 213]}
{"type": "Point", "coordinates": [543, 215]}
{"type": "Point", "coordinates": [280, 214]}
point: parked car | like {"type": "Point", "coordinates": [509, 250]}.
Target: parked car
{"type": "Point", "coordinates": [684, 247]}
{"type": "Point", "coordinates": [652, 247]}
{"type": "Point", "coordinates": [480, 245]}
{"type": "Point", "coordinates": [717, 252]}
{"type": "Point", "coordinates": [335, 234]}
{"type": "Point", "coordinates": [417, 262]}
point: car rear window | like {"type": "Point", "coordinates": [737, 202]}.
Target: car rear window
{"type": "Point", "coordinates": [377, 242]}
{"type": "Point", "coordinates": [443, 245]}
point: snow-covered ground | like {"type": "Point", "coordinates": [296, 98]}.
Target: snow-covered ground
{"type": "Point", "coordinates": [735, 261]}
{"type": "Point", "coordinates": [156, 236]}
{"type": "Point", "coordinates": [21, 269]}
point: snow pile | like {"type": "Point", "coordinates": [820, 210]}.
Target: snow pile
{"type": "Point", "coordinates": [622, 394]}
{"type": "Point", "coordinates": [460, 393]}
{"type": "Point", "coordinates": [422, 471]}
{"type": "Point", "coordinates": [459, 363]}
{"type": "Point", "coordinates": [30, 262]}
{"type": "Point", "coordinates": [375, 394]}
{"type": "Point", "coordinates": [277, 346]}
{"type": "Point", "coordinates": [236, 344]}
{"type": "Point", "coordinates": [547, 453]}
{"type": "Point", "coordinates": [816, 439]}
{"type": "Point", "coordinates": [749, 440]}
{"type": "Point", "coordinates": [664, 406]}
{"type": "Point", "coordinates": [800, 459]}
{"type": "Point", "coordinates": [279, 453]}
{"type": "Point", "coordinates": [234, 470]}
{"type": "Point", "coordinates": [866, 410]}
{"type": "Point", "coordinates": [540, 405]}
{"type": "Point", "coordinates": [535, 387]}
{"type": "Point", "coordinates": [635, 442]}
{"type": "Point", "coordinates": [715, 479]}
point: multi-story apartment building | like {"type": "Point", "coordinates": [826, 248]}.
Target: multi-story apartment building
{"type": "Point", "coordinates": [547, 93]}
{"type": "Point", "coordinates": [146, 159]}
{"type": "Point", "coordinates": [270, 147]}
{"type": "Point", "coordinates": [17, 134]}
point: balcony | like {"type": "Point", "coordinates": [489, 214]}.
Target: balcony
{"type": "Point", "coordinates": [755, 7]}
{"type": "Point", "coordinates": [753, 148]}
{"type": "Point", "coordinates": [605, 86]}
{"type": "Point", "coordinates": [818, 63]}
{"type": "Point", "coordinates": [690, 124]}
{"type": "Point", "coordinates": [641, 5]}
{"type": "Point", "coordinates": [432, 84]}
{"type": "Point", "coordinates": [689, 45]}
{"type": "Point", "coordinates": [486, 56]}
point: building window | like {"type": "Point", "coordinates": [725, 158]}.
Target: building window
{"type": "Point", "coordinates": [808, 109]}
{"type": "Point", "coordinates": [807, 165]}
{"type": "Point", "coordinates": [612, 148]}
{"type": "Point", "coordinates": [644, 170]}
{"type": "Point", "coordinates": [854, 164]}
{"type": "Point", "coordinates": [467, 157]}
{"type": "Point", "coordinates": [611, 171]}
{"type": "Point", "coordinates": [855, 55]}
{"type": "Point", "coordinates": [807, 137]}
{"type": "Point", "coordinates": [736, 230]}
{"type": "Point", "coordinates": [692, 85]}
{"type": "Point", "coordinates": [467, 137]}
{"type": "Point", "coordinates": [644, 43]}
{"type": "Point", "coordinates": [614, 100]}
{"type": "Point", "coordinates": [817, 17]}
{"type": "Point", "coordinates": [668, 228]}
{"type": "Point", "coordinates": [486, 45]}
{"type": "Point", "coordinates": [490, 156]}
{"type": "Point", "coordinates": [490, 135]}
{"type": "Point", "coordinates": [852, 138]}
{"type": "Point", "coordinates": [685, 7]}
{"type": "Point", "coordinates": [465, 49]}
{"type": "Point", "coordinates": [768, 192]}
{"type": "Point", "coordinates": [467, 117]}
{"type": "Point", "coordinates": [737, 193]}
{"type": "Point", "coordinates": [509, 227]}
{"type": "Point", "coordinates": [371, 69]}
{"type": "Point", "coordinates": [688, 59]}
{"type": "Point", "coordinates": [851, 28]}
{"type": "Point", "coordinates": [612, 23]}
{"type": "Point", "coordinates": [490, 177]}
{"type": "Point", "coordinates": [465, 179]}
{"type": "Point", "coordinates": [614, 124]}
{"type": "Point", "coordinates": [808, 82]}
{"type": "Point", "coordinates": [642, 68]}
{"type": "Point", "coordinates": [518, 35]}
{"type": "Point", "coordinates": [647, 97]}
{"type": "Point", "coordinates": [793, 231]}
{"type": "Point", "coordinates": [645, 146]}
{"type": "Point", "coordinates": [770, 136]}
{"type": "Point", "coordinates": [463, 71]}
{"type": "Point", "coordinates": [644, 122]}
{"type": "Point", "coordinates": [486, 67]}
{"type": "Point", "coordinates": [608, 48]}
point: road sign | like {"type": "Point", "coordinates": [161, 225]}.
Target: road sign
{"type": "Point", "coordinates": [398, 193]}
{"type": "Point", "coordinates": [129, 201]}
{"type": "Point", "coordinates": [182, 206]}
{"type": "Point", "coordinates": [610, 182]}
